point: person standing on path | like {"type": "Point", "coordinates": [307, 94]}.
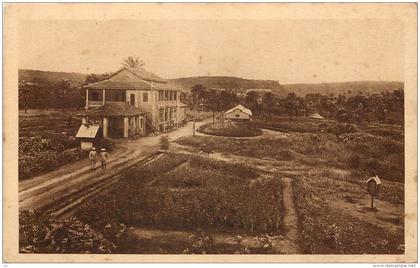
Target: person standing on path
{"type": "Point", "coordinates": [104, 156]}
{"type": "Point", "coordinates": [92, 157]}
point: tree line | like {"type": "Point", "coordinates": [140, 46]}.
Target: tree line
{"type": "Point", "coordinates": [387, 107]}
{"type": "Point", "coordinates": [42, 94]}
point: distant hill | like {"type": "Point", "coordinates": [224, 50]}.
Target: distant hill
{"type": "Point", "coordinates": [349, 88]}
{"type": "Point", "coordinates": [75, 79]}
{"type": "Point", "coordinates": [226, 82]}
{"type": "Point", "coordinates": [229, 82]}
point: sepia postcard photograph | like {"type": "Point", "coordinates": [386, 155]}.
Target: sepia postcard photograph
{"type": "Point", "coordinates": [210, 132]}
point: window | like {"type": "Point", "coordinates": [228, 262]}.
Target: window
{"type": "Point", "coordinates": [145, 97]}
{"type": "Point", "coordinates": [237, 115]}
{"type": "Point", "coordinates": [132, 99]}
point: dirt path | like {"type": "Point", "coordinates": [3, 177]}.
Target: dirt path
{"type": "Point", "coordinates": [162, 238]}
{"type": "Point", "coordinates": [46, 189]}
{"type": "Point", "coordinates": [290, 219]}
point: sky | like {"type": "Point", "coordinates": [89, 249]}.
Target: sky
{"type": "Point", "coordinates": [289, 51]}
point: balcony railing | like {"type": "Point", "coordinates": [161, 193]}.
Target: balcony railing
{"type": "Point", "coordinates": [99, 103]}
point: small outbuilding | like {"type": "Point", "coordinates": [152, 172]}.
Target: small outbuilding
{"type": "Point", "coordinates": [238, 112]}
{"type": "Point", "coordinates": [89, 136]}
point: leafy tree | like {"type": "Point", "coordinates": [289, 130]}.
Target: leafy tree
{"type": "Point", "coordinates": [60, 90]}
{"type": "Point", "coordinates": [24, 95]}
{"type": "Point", "coordinates": [269, 100]}
{"type": "Point", "coordinates": [93, 78]}
{"type": "Point", "coordinates": [291, 103]}
{"type": "Point", "coordinates": [251, 100]}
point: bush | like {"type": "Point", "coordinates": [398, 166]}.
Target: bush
{"type": "Point", "coordinates": [164, 143]}
{"type": "Point", "coordinates": [41, 233]}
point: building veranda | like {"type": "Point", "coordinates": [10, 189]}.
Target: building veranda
{"type": "Point", "coordinates": [132, 102]}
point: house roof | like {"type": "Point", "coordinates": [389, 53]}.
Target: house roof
{"type": "Point", "coordinates": [241, 108]}
{"type": "Point", "coordinates": [87, 131]}
{"type": "Point", "coordinates": [375, 178]}
{"type": "Point", "coordinates": [114, 109]}
{"type": "Point", "coordinates": [129, 78]}
{"type": "Point", "coordinates": [316, 116]}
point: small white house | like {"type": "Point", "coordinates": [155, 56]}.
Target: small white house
{"type": "Point", "coordinates": [238, 112]}
{"type": "Point", "coordinates": [89, 136]}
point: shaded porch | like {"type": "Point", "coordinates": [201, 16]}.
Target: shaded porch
{"type": "Point", "coordinates": [117, 120]}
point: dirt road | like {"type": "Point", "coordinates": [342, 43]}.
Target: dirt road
{"type": "Point", "coordinates": [49, 188]}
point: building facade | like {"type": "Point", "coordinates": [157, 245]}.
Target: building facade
{"type": "Point", "coordinates": [132, 102]}
{"type": "Point", "coordinates": [238, 112]}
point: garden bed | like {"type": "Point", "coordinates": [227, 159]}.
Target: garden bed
{"type": "Point", "coordinates": [231, 129]}
{"type": "Point", "coordinates": [178, 192]}
{"type": "Point", "coordinates": [46, 142]}
{"type": "Point", "coordinates": [211, 203]}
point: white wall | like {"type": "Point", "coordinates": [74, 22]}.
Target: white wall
{"type": "Point", "coordinates": [237, 114]}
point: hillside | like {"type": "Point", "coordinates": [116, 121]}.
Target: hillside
{"type": "Point", "coordinates": [227, 82]}
{"type": "Point", "coordinates": [349, 88]}
{"type": "Point", "coordinates": [75, 79]}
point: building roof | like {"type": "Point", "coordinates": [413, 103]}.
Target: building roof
{"type": "Point", "coordinates": [129, 78]}
{"type": "Point", "coordinates": [375, 178]}
{"type": "Point", "coordinates": [87, 131]}
{"type": "Point", "coordinates": [316, 116]}
{"type": "Point", "coordinates": [241, 108]}
{"type": "Point", "coordinates": [114, 109]}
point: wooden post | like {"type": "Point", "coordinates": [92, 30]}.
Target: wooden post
{"type": "Point", "coordinates": [371, 202]}
{"type": "Point", "coordinates": [125, 127]}
{"type": "Point", "coordinates": [103, 96]}
{"type": "Point", "coordinates": [87, 99]}
{"type": "Point", "coordinates": [105, 127]}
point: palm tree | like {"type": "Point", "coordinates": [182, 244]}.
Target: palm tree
{"type": "Point", "coordinates": [132, 62]}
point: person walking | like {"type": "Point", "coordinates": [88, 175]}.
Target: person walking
{"type": "Point", "coordinates": [92, 157]}
{"type": "Point", "coordinates": [104, 156]}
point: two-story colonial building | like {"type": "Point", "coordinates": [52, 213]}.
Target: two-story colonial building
{"type": "Point", "coordinates": [132, 101]}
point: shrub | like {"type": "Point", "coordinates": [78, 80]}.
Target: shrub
{"type": "Point", "coordinates": [39, 232]}
{"type": "Point", "coordinates": [164, 143]}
